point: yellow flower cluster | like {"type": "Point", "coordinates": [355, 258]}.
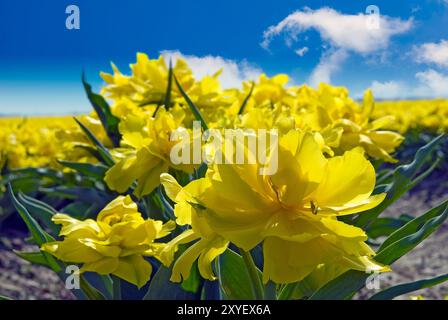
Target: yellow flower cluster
{"type": "Point", "coordinates": [325, 140]}
{"type": "Point", "coordinates": [30, 142]}
{"type": "Point", "coordinates": [40, 141]}
{"type": "Point", "coordinates": [268, 103]}
{"type": "Point", "coordinates": [431, 115]}
{"type": "Point", "coordinates": [324, 137]}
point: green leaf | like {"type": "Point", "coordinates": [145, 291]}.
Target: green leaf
{"type": "Point", "coordinates": [161, 288]}
{"type": "Point", "coordinates": [116, 288]}
{"type": "Point", "coordinates": [108, 284]}
{"type": "Point", "coordinates": [33, 257]}
{"type": "Point", "coordinates": [39, 235]}
{"type": "Point", "coordinates": [197, 114]}
{"type": "Point", "coordinates": [384, 176]}
{"type": "Point", "coordinates": [412, 236]}
{"type": "Point", "coordinates": [165, 205]}
{"type": "Point", "coordinates": [32, 174]}
{"type": "Point", "coordinates": [288, 291]}
{"type": "Point", "coordinates": [297, 290]}
{"type": "Point", "coordinates": [89, 149]}
{"type": "Point", "coordinates": [90, 291]}
{"type": "Point", "coordinates": [102, 150]}
{"type": "Point", "coordinates": [96, 171]}
{"type": "Point", "coordinates": [246, 99]}
{"type": "Point", "coordinates": [150, 102]}
{"type": "Point", "coordinates": [167, 101]}
{"type": "Point", "coordinates": [4, 298]}
{"type": "Point", "coordinates": [109, 121]}
{"type": "Point", "coordinates": [29, 200]}
{"type": "Point", "coordinates": [344, 286]}
{"type": "Point", "coordinates": [413, 225]}
{"type": "Point", "coordinates": [235, 279]}
{"type": "Point", "coordinates": [81, 210]}
{"type": "Point", "coordinates": [385, 226]}
{"type": "Point", "coordinates": [401, 289]}
{"type": "Point", "coordinates": [87, 194]}
{"type": "Point", "coordinates": [270, 291]}
{"type": "Point", "coordinates": [211, 290]}
{"type": "Point", "coordinates": [39, 210]}
{"type": "Point", "coordinates": [404, 178]}
{"type": "Point", "coordinates": [194, 281]}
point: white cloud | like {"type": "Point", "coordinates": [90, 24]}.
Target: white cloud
{"type": "Point", "coordinates": [431, 52]}
{"type": "Point", "coordinates": [233, 73]}
{"type": "Point", "coordinates": [432, 84]}
{"type": "Point", "coordinates": [346, 31]}
{"type": "Point", "coordinates": [389, 90]}
{"type": "Point", "coordinates": [329, 63]}
{"type": "Point", "coordinates": [341, 34]}
{"type": "Point", "coordinates": [301, 51]}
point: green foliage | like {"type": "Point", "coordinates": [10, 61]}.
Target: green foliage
{"type": "Point", "coordinates": [102, 109]}
{"type": "Point", "coordinates": [235, 278]}
{"type": "Point", "coordinates": [400, 289]}
{"type": "Point", "coordinates": [402, 241]}
{"type": "Point", "coordinates": [161, 288]}
{"type": "Point", "coordinates": [197, 114]}
{"type": "Point", "coordinates": [100, 148]}
{"type": "Point", "coordinates": [246, 99]}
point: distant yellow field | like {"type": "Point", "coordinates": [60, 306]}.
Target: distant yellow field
{"type": "Point", "coordinates": [37, 120]}
{"type": "Point", "coordinates": [428, 114]}
{"type": "Point", "coordinates": [38, 140]}
{"type": "Point", "coordinates": [30, 141]}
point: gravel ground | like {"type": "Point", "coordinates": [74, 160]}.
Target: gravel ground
{"type": "Point", "coordinates": [21, 280]}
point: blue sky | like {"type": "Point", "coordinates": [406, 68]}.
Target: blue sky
{"type": "Point", "coordinates": [312, 41]}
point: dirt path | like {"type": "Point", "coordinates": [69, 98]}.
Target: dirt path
{"type": "Point", "coordinates": [21, 280]}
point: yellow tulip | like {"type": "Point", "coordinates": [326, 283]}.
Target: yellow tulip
{"type": "Point", "coordinates": [115, 243]}
{"type": "Point", "coordinates": [293, 213]}
{"type": "Point", "coordinates": [146, 154]}
{"type": "Point", "coordinates": [148, 83]}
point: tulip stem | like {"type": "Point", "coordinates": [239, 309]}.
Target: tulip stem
{"type": "Point", "coordinates": [116, 288]}
{"type": "Point", "coordinates": [257, 285]}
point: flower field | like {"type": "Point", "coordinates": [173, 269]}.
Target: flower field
{"type": "Point", "coordinates": [175, 188]}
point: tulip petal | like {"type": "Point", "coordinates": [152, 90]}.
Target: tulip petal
{"type": "Point", "coordinates": [214, 249]}
{"type": "Point", "coordinates": [103, 266]}
{"type": "Point", "coordinates": [349, 179]}
{"type": "Point", "coordinates": [182, 266]}
{"type": "Point", "coordinates": [134, 269]}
